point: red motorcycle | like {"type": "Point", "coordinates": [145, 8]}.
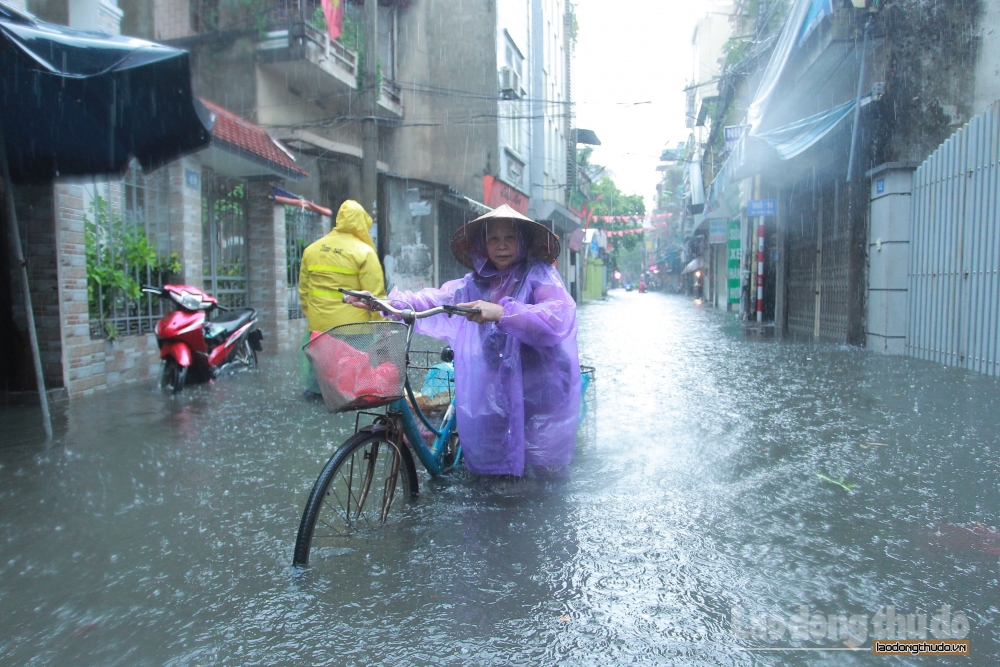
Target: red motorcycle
{"type": "Point", "coordinates": [195, 348]}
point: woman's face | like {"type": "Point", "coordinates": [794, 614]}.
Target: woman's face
{"type": "Point", "coordinates": [501, 243]}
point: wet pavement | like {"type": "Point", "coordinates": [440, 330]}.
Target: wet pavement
{"type": "Point", "coordinates": [158, 530]}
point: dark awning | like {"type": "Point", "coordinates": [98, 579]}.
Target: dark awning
{"type": "Point", "coordinates": [81, 103]}
{"type": "Point", "coordinates": [581, 136]}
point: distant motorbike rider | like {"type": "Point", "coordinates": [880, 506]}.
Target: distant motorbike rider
{"type": "Point", "coordinates": [346, 258]}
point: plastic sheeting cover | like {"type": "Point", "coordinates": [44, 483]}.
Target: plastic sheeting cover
{"type": "Point", "coordinates": [76, 103]}
{"type": "Point", "coordinates": [787, 44]}
{"type": "Point", "coordinates": [794, 138]}
{"type": "Point", "coordinates": [789, 140]}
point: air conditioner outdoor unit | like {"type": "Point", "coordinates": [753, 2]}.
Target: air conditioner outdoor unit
{"type": "Point", "coordinates": [510, 83]}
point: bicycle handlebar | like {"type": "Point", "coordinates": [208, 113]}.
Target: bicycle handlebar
{"type": "Point", "coordinates": [407, 314]}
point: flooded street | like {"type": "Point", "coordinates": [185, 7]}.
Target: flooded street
{"type": "Point", "coordinates": [158, 530]}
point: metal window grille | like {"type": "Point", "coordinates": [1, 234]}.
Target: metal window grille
{"type": "Point", "coordinates": [127, 240]}
{"type": "Point", "coordinates": [224, 239]}
{"type": "Point", "coordinates": [302, 227]}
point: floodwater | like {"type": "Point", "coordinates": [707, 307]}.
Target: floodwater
{"type": "Point", "coordinates": [158, 530]}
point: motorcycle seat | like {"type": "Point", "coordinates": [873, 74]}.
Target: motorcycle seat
{"type": "Point", "coordinates": [225, 323]}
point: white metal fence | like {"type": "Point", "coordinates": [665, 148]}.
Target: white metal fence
{"type": "Point", "coordinates": [953, 282]}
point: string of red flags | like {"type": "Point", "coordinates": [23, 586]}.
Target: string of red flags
{"type": "Point", "coordinates": [635, 230]}
{"type": "Point", "coordinates": [634, 219]}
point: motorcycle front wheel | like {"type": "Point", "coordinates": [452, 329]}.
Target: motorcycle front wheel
{"type": "Point", "coordinates": [245, 355]}
{"type": "Point", "coordinates": [172, 375]}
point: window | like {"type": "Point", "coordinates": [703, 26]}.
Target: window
{"type": "Point", "coordinates": [512, 111]}
{"type": "Point", "coordinates": [515, 171]}
{"type": "Point", "coordinates": [127, 242]}
{"type": "Point", "coordinates": [387, 43]}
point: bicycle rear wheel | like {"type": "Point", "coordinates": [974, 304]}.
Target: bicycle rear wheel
{"type": "Point", "coordinates": [367, 479]}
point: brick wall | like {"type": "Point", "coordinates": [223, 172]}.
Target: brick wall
{"type": "Point", "coordinates": [268, 264]}
{"type": "Point", "coordinates": [88, 365]}
{"type": "Point", "coordinates": [83, 357]}
{"type": "Point", "coordinates": [35, 206]}
{"type": "Point", "coordinates": [130, 359]}
{"type": "Point", "coordinates": [185, 218]}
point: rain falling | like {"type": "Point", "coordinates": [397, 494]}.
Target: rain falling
{"type": "Point", "coordinates": [506, 332]}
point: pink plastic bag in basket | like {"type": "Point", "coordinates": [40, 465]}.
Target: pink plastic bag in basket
{"type": "Point", "coordinates": [352, 375]}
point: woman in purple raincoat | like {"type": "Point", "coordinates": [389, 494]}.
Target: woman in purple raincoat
{"type": "Point", "coordinates": [517, 373]}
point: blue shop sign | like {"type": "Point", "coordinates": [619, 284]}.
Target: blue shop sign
{"type": "Point", "coordinates": [759, 207]}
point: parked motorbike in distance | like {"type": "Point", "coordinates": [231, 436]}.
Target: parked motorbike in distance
{"type": "Point", "coordinates": [195, 348]}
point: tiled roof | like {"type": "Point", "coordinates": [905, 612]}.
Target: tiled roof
{"type": "Point", "coordinates": [245, 136]}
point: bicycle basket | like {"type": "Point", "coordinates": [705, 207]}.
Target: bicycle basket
{"type": "Point", "coordinates": [361, 365]}
{"type": "Point", "coordinates": [432, 381]}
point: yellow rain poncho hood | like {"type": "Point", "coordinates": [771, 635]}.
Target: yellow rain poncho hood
{"type": "Point", "coordinates": [352, 219]}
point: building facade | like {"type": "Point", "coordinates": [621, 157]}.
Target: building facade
{"type": "Point", "coordinates": [456, 102]}
{"type": "Point", "coordinates": [823, 98]}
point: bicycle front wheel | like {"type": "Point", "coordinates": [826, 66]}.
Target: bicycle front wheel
{"type": "Point", "coordinates": [365, 482]}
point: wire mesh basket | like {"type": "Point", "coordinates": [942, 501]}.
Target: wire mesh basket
{"type": "Point", "coordinates": [432, 380]}
{"type": "Point", "coordinates": [360, 365]}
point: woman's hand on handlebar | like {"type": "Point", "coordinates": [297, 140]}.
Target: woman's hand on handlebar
{"type": "Point", "coordinates": [357, 302]}
{"type": "Point", "coordinates": [488, 311]}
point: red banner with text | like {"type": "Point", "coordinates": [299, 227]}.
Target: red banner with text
{"type": "Point", "coordinates": [496, 192]}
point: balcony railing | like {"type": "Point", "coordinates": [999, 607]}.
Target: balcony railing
{"type": "Point", "coordinates": [287, 24]}
{"type": "Point", "coordinates": [390, 92]}
{"type": "Point", "coordinates": [291, 32]}
{"type": "Point", "coordinates": [332, 49]}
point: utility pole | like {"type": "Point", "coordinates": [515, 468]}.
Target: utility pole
{"type": "Point", "coordinates": [369, 104]}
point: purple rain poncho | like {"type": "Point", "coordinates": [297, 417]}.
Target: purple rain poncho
{"type": "Point", "coordinates": [517, 381]}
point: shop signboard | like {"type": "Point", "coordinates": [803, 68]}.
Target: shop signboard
{"type": "Point", "coordinates": [762, 207]}
{"type": "Point", "coordinates": [733, 253]}
{"type": "Point", "coordinates": [496, 192]}
{"type": "Point", "coordinates": [733, 134]}
{"type": "Point", "coordinates": [718, 231]}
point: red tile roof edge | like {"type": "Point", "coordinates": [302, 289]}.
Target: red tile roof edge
{"type": "Point", "coordinates": [244, 135]}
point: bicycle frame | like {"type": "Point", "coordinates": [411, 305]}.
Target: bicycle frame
{"type": "Point", "coordinates": [401, 409]}
{"type": "Point", "coordinates": [406, 419]}
{"type": "Point", "coordinates": [430, 457]}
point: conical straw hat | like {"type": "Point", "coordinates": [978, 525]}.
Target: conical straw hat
{"type": "Point", "coordinates": [543, 243]}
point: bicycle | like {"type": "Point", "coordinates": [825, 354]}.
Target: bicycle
{"type": "Point", "coordinates": [373, 472]}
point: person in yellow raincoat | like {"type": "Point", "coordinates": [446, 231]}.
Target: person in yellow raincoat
{"type": "Point", "coordinates": [346, 258]}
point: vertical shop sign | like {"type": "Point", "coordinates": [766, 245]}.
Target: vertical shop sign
{"type": "Point", "coordinates": [733, 253]}
{"type": "Point", "coordinates": [718, 231]}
